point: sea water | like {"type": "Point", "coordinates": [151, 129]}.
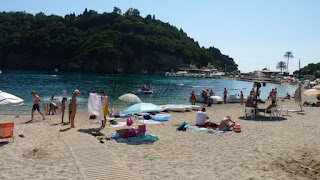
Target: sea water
{"type": "Point", "coordinates": [166, 89]}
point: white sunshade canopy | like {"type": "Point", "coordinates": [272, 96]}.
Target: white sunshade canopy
{"type": "Point", "coordinates": [7, 99]}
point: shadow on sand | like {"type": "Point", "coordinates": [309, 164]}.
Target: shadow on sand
{"type": "Point", "coordinates": [64, 130]}
{"type": "Point", "coordinates": [263, 118]}
{"type": "Point", "coordinates": [88, 131]}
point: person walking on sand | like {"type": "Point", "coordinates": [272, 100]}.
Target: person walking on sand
{"type": "Point", "coordinates": [241, 97]}
{"type": "Point", "coordinates": [36, 102]}
{"type": "Point", "coordinates": [74, 107]}
{"type": "Point", "coordinates": [104, 100]}
{"type": "Point", "coordinates": [225, 93]}
{"type": "Point", "coordinates": [63, 108]}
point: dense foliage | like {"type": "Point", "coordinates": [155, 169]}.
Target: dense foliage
{"type": "Point", "coordinates": [93, 42]}
{"type": "Point", "coordinates": [310, 69]}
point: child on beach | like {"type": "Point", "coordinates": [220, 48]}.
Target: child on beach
{"type": "Point", "coordinates": [36, 102]}
{"type": "Point", "coordinates": [63, 108]}
{"type": "Point", "coordinates": [70, 110]}
{"type": "Point", "coordinates": [192, 98]}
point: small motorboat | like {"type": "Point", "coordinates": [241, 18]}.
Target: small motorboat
{"type": "Point", "coordinates": [146, 91]}
{"type": "Point", "coordinates": [177, 107]}
{"type": "Point", "coordinates": [213, 99]}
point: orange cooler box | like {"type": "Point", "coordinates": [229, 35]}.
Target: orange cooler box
{"type": "Point", "coordinates": [237, 128]}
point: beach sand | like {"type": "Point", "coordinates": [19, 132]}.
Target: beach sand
{"type": "Point", "coordinates": [287, 147]}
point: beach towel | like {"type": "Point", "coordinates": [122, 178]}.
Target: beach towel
{"type": "Point", "coordinates": [119, 124]}
{"type": "Point", "coordinates": [150, 122]}
{"type": "Point", "coordinates": [195, 128]}
{"type": "Point", "coordinates": [95, 105]}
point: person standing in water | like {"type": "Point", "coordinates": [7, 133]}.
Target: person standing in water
{"type": "Point", "coordinates": [104, 101]}
{"type": "Point", "coordinates": [36, 102]}
{"type": "Point", "coordinates": [241, 97]}
{"type": "Point", "coordinates": [225, 93]}
{"type": "Point", "coordinates": [192, 98]}
{"type": "Point", "coordinates": [74, 107]}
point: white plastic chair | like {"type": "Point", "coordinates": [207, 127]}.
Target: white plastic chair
{"type": "Point", "coordinates": [274, 112]}
{"type": "Point", "coordinates": [250, 111]}
{"type": "Point", "coordinates": [284, 108]}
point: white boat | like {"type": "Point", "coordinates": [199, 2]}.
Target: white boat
{"type": "Point", "coordinates": [213, 99]}
{"type": "Point", "coordinates": [234, 98]}
{"type": "Point", "coordinates": [195, 107]}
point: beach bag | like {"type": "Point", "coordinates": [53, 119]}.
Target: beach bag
{"type": "Point", "coordinates": [129, 122]}
{"type": "Point", "coordinates": [181, 127]}
{"type": "Point", "coordinates": [213, 125]}
{"type": "Point", "coordinates": [147, 117]}
{"type": "Point", "coordinates": [129, 133]}
{"type": "Point", "coordinates": [237, 128]}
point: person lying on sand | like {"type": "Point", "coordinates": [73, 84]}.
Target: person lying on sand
{"type": "Point", "coordinates": [309, 104]}
{"type": "Point", "coordinates": [225, 124]}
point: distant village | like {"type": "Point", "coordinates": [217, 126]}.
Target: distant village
{"type": "Point", "coordinates": [210, 71]}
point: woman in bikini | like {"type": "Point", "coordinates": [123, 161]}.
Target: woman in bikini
{"type": "Point", "coordinates": [74, 107]}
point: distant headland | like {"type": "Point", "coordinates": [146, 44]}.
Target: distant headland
{"type": "Point", "coordinates": [112, 42]}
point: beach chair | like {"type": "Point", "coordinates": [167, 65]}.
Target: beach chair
{"type": "Point", "coordinates": [6, 131]}
{"type": "Point", "coordinates": [274, 112]}
{"type": "Point", "coordinates": [249, 111]}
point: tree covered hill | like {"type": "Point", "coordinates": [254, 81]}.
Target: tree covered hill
{"type": "Point", "coordinates": [92, 42]}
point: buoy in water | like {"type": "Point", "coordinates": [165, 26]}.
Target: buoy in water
{"type": "Point", "coordinates": [180, 84]}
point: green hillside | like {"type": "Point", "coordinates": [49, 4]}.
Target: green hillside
{"type": "Point", "coordinates": [92, 42]}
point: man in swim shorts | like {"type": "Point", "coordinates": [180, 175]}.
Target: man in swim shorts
{"type": "Point", "coordinates": [224, 124]}
{"type": "Point", "coordinates": [104, 100]}
{"type": "Point", "coordinates": [36, 102]}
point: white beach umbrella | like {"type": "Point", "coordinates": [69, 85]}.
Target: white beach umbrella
{"type": "Point", "coordinates": [7, 99]}
{"type": "Point", "coordinates": [316, 87]}
{"type": "Point", "coordinates": [311, 92]}
{"type": "Point", "coordinates": [132, 98]}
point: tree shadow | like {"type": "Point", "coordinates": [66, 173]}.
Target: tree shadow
{"type": "Point", "coordinates": [263, 118]}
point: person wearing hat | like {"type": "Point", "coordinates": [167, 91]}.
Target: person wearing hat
{"type": "Point", "coordinates": [224, 124]}
{"type": "Point", "coordinates": [74, 107]}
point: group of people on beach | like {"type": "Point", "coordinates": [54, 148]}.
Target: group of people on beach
{"type": "Point", "coordinates": [72, 108]}
{"type": "Point", "coordinates": [225, 125]}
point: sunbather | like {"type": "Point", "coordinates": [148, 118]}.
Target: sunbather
{"type": "Point", "coordinates": [225, 125]}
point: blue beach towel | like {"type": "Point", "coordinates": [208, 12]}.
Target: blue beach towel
{"type": "Point", "coordinates": [195, 128]}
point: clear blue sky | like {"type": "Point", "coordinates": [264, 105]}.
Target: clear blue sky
{"type": "Point", "coordinates": [256, 33]}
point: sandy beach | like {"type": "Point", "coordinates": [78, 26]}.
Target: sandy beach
{"type": "Point", "coordinates": [286, 147]}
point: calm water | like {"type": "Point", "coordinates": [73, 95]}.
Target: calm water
{"type": "Point", "coordinates": [166, 89]}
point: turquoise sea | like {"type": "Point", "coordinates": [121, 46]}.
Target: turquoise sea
{"type": "Point", "coordinates": [166, 89]}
